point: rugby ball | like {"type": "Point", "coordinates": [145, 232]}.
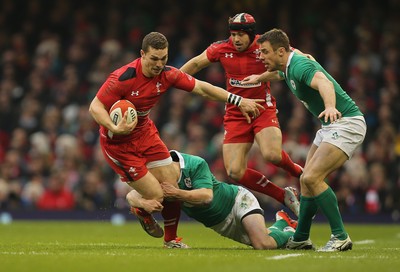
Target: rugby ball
{"type": "Point", "coordinates": [118, 110]}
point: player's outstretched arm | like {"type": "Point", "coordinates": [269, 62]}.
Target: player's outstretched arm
{"type": "Point", "coordinates": [196, 64]}
{"type": "Point", "coordinates": [249, 107]}
{"type": "Point", "coordinates": [196, 197]}
{"type": "Point", "coordinates": [264, 77]}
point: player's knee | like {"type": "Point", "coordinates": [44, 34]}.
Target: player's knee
{"type": "Point", "coordinates": [235, 173]}
{"type": "Point", "coordinates": [130, 197]}
{"type": "Point", "coordinates": [308, 179]}
{"type": "Point", "coordinates": [272, 157]}
{"type": "Point", "coordinates": [158, 197]}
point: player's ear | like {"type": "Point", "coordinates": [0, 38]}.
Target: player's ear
{"type": "Point", "coordinates": [281, 51]}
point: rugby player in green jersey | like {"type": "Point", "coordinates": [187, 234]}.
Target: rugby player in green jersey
{"type": "Point", "coordinates": [230, 210]}
{"type": "Point", "coordinates": [342, 132]}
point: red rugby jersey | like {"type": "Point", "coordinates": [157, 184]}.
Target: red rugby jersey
{"type": "Point", "coordinates": [237, 66]}
{"type": "Point", "coordinates": [129, 82]}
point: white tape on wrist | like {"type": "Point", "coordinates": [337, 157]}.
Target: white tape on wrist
{"type": "Point", "coordinates": [234, 99]}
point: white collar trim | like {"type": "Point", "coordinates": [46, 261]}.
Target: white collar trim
{"type": "Point", "coordinates": [288, 62]}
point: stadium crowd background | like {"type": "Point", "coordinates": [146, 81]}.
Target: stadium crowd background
{"type": "Point", "coordinates": [54, 55]}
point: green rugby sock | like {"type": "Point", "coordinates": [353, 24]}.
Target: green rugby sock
{"type": "Point", "coordinates": [280, 237]}
{"type": "Point", "coordinates": [280, 225]}
{"type": "Point", "coordinates": [308, 209]}
{"type": "Point", "coordinates": [328, 204]}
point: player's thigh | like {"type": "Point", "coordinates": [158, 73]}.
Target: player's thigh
{"type": "Point", "coordinates": [326, 159]}
{"type": "Point", "coordinates": [148, 186]}
{"type": "Point", "coordinates": [235, 155]}
{"type": "Point", "coordinates": [310, 154]}
{"type": "Point", "coordinates": [269, 140]}
{"type": "Point", "coordinates": [254, 225]}
{"type": "Point", "coordinates": [166, 173]}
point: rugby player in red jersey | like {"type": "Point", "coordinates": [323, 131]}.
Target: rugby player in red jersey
{"type": "Point", "coordinates": [136, 153]}
{"type": "Point", "coordinates": [239, 57]}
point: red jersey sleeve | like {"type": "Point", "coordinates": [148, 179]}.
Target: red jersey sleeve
{"type": "Point", "coordinates": [179, 79]}
{"type": "Point", "coordinates": [213, 51]}
{"type": "Point", "coordinates": [111, 90]}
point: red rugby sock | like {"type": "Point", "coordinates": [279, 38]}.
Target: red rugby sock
{"type": "Point", "coordinates": [141, 212]}
{"type": "Point", "coordinates": [256, 181]}
{"type": "Point", "coordinates": [171, 214]}
{"type": "Point", "coordinates": [288, 165]}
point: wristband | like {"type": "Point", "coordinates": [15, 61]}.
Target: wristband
{"type": "Point", "coordinates": [234, 99]}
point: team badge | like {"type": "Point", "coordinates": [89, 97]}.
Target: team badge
{"type": "Point", "coordinates": [158, 85]}
{"type": "Point", "coordinates": [188, 182]}
{"type": "Point", "coordinates": [335, 135]}
{"type": "Point", "coordinates": [257, 52]}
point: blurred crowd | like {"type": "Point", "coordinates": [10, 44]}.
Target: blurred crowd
{"type": "Point", "coordinates": [54, 55]}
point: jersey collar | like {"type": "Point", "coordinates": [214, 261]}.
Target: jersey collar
{"type": "Point", "coordinates": [177, 157]}
{"type": "Point", "coordinates": [288, 62]}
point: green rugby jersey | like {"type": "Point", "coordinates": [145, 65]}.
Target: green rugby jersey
{"type": "Point", "coordinates": [298, 76]}
{"type": "Point", "coordinates": [195, 174]}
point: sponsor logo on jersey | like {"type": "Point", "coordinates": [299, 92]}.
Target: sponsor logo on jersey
{"type": "Point", "coordinates": [135, 93]}
{"type": "Point", "coordinates": [229, 55]}
{"type": "Point", "coordinates": [238, 83]}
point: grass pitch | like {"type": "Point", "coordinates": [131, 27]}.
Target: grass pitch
{"type": "Point", "coordinates": [100, 246]}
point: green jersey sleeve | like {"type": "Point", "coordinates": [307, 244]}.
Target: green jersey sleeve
{"type": "Point", "coordinates": [195, 174]}
{"type": "Point", "coordinates": [299, 76]}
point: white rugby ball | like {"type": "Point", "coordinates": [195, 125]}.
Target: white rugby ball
{"type": "Point", "coordinates": [118, 110]}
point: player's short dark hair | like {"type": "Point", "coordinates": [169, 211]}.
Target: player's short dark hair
{"type": "Point", "coordinates": [154, 40]}
{"type": "Point", "coordinates": [277, 38]}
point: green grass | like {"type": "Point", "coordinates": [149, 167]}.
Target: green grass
{"type": "Point", "coordinates": [99, 246]}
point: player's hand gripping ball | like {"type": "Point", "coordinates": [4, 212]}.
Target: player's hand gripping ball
{"type": "Point", "coordinates": [118, 110]}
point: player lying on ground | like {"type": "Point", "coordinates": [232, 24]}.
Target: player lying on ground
{"type": "Point", "coordinates": [230, 210]}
